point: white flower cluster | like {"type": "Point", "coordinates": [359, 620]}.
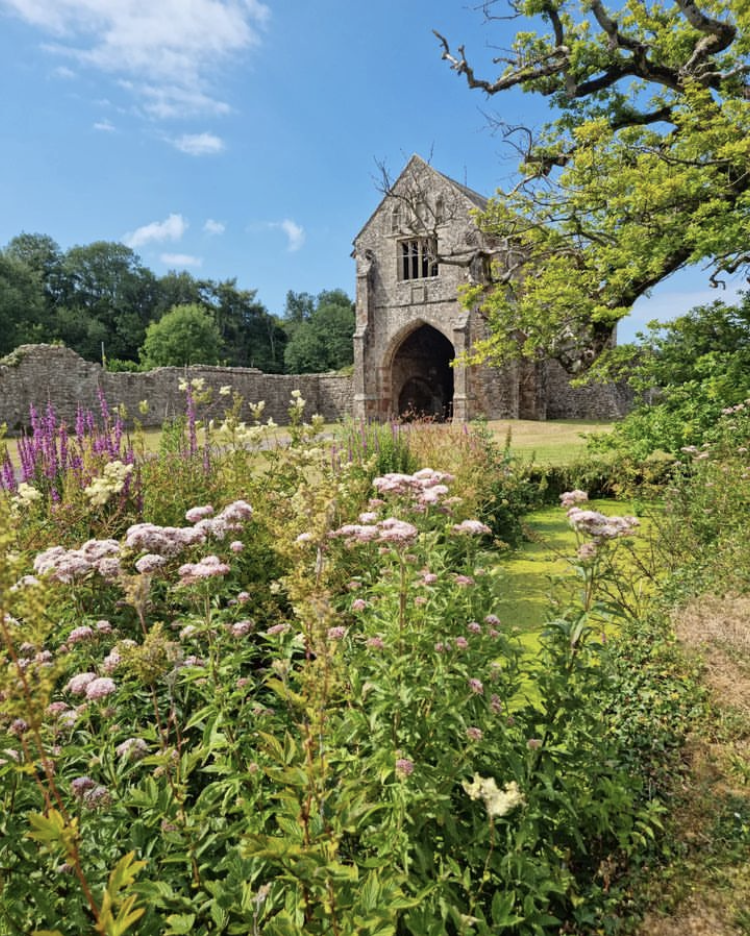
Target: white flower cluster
{"type": "Point", "coordinates": [26, 495]}
{"type": "Point", "coordinates": [497, 802]}
{"type": "Point", "coordinates": [110, 483]}
{"type": "Point", "coordinates": [197, 383]}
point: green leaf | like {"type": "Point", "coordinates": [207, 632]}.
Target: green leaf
{"type": "Point", "coordinates": [180, 924]}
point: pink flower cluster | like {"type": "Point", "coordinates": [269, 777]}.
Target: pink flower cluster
{"type": "Point", "coordinates": [390, 530]}
{"type": "Point", "coordinates": [600, 527]}
{"type": "Point", "coordinates": [426, 486]}
{"type": "Point", "coordinates": [168, 542]}
{"type": "Point", "coordinates": [572, 498]}
{"type": "Point", "coordinates": [91, 686]}
{"type": "Point", "coordinates": [68, 565]}
{"type": "Point", "coordinates": [208, 567]}
{"type": "Point", "coordinates": [471, 528]}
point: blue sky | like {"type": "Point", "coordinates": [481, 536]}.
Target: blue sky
{"type": "Point", "coordinates": [235, 138]}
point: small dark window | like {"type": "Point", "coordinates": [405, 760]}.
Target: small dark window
{"type": "Point", "coordinates": [417, 259]}
{"type": "Point", "coordinates": [439, 209]}
{"type": "Point", "coordinates": [396, 220]}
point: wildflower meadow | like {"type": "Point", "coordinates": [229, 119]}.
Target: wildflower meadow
{"type": "Point", "coordinates": [257, 688]}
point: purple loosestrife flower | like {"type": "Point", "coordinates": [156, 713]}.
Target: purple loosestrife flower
{"type": "Point", "coordinates": [476, 686]}
{"type": "Point", "coordinates": [8, 477]}
{"type": "Point", "coordinates": [474, 627]}
{"type": "Point", "coordinates": [462, 643]}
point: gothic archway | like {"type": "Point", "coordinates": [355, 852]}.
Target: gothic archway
{"type": "Point", "coordinates": [423, 376]}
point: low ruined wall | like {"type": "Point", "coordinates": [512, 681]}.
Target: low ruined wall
{"type": "Point", "coordinates": [38, 374]}
{"type": "Point", "coordinates": [42, 374]}
{"type": "Point", "coordinates": [594, 401]}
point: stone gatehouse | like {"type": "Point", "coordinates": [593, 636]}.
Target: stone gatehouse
{"type": "Point", "coordinates": [414, 253]}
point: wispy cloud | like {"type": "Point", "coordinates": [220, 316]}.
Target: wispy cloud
{"type": "Point", "coordinates": [168, 49]}
{"type": "Point", "coordinates": [62, 71]}
{"type": "Point", "coordinates": [214, 227]}
{"type": "Point", "coordinates": [295, 233]}
{"type": "Point", "coordinates": [171, 229]}
{"type": "Point", "coordinates": [198, 144]}
{"type": "Point", "coordinates": [105, 126]}
{"type": "Point", "coordinates": [181, 260]}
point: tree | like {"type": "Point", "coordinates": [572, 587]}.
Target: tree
{"type": "Point", "coordinates": [321, 332]}
{"type": "Point", "coordinates": [107, 295]}
{"type": "Point", "coordinates": [186, 335]}
{"type": "Point", "coordinates": [684, 372]}
{"type": "Point", "coordinates": [643, 173]}
{"type": "Point", "coordinates": [22, 304]}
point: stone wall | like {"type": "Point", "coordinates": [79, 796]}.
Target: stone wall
{"type": "Point", "coordinates": [38, 374]}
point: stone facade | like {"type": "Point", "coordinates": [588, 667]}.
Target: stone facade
{"type": "Point", "coordinates": [42, 374]}
{"type": "Point", "coordinates": [412, 256]}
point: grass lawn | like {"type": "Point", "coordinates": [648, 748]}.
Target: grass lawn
{"type": "Point", "coordinates": [528, 572]}
{"type": "Point", "coordinates": [557, 442]}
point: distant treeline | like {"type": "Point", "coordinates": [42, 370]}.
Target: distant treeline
{"type": "Point", "coordinates": [102, 302]}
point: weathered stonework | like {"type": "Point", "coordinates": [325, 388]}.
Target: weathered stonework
{"type": "Point", "coordinates": [42, 374]}
{"type": "Point", "coordinates": [413, 255]}
{"type": "Point", "coordinates": [410, 328]}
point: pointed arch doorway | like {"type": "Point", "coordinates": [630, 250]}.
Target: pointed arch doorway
{"type": "Point", "coordinates": [423, 375]}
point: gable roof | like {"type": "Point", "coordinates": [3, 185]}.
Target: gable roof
{"type": "Point", "coordinates": [479, 201]}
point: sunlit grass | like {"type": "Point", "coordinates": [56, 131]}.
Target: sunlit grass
{"type": "Point", "coordinates": [558, 442]}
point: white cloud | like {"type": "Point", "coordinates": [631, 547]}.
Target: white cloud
{"type": "Point", "coordinates": [169, 48]}
{"type": "Point", "coordinates": [181, 260]}
{"type": "Point", "coordinates": [105, 126]}
{"type": "Point", "coordinates": [214, 227]}
{"type": "Point", "coordinates": [172, 228]}
{"type": "Point", "coordinates": [294, 232]}
{"type": "Point", "coordinates": [198, 144]}
{"type": "Point", "coordinates": [62, 71]}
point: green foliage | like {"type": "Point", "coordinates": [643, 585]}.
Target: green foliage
{"type": "Point", "coordinates": [309, 719]}
{"type": "Point", "coordinates": [185, 335]}
{"type": "Point", "coordinates": [684, 374]}
{"type": "Point", "coordinates": [320, 332]}
{"type": "Point", "coordinates": [641, 174]}
{"type": "Point", "coordinates": [22, 306]}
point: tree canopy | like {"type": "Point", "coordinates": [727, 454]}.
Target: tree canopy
{"type": "Point", "coordinates": [685, 374]}
{"type": "Point", "coordinates": [320, 332]}
{"type": "Point", "coordinates": [99, 300]}
{"type": "Point", "coordinates": [643, 172]}
{"type": "Point", "coordinates": [187, 334]}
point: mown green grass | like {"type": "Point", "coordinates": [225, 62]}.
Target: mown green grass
{"type": "Point", "coordinates": [530, 573]}
{"type": "Point", "coordinates": [557, 442]}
